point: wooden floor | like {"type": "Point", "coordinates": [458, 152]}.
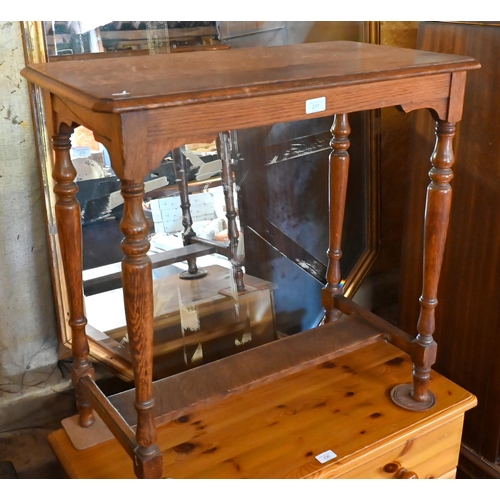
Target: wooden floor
{"type": "Point", "coordinates": [276, 430]}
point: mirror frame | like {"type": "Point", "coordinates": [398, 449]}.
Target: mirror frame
{"type": "Point", "coordinates": [35, 51]}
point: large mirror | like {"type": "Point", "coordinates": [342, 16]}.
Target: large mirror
{"type": "Point", "coordinates": [279, 180]}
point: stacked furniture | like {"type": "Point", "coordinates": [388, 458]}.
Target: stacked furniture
{"type": "Point", "coordinates": [310, 405]}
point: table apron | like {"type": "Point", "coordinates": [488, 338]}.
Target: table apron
{"type": "Point", "coordinates": [175, 126]}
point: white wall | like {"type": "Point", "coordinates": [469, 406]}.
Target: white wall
{"type": "Point", "coordinates": [28, 332]}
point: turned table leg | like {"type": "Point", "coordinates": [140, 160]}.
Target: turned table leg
{"type": "Point", "coordinates": [138, 297]}
{"type": "Point", "coordinates": [224, 152]}
{"type": "Point", "coordinates": [417, 396]}
{"type": "Point", "coordinates": [338, 175]}
{"type": "Point", "coordinates": [69, 229]}
{"type": "Point", "coordinates": [181, 175]}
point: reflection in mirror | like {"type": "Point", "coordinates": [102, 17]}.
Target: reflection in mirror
{"type": "Point", "coordinates": [180, 342]}
{"type": "Point", "coordinates": [187, 201]}
{"type": "Point", "coordinates": [74, 38]}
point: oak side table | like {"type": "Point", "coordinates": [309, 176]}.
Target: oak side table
{"type": "Point", "coordinates": [142, 106]}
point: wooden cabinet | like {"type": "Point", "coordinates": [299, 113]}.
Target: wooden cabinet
{"type": "Point", "coordinates": [468, 314]}
{"type": "Point", "coordinates": [426, 454]}
{"type": "Point", "coordinates": [278, 429]}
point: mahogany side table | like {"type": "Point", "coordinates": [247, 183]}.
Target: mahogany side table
{"type": "Point", "coordinates": [140, 107]}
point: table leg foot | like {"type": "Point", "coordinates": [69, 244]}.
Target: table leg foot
{"type": "Point", "coordinates": [402, 396]}
{"type": "Point", "coordinates": [148, 462]}
{"type": "Point", "coordinates": [193, 275]}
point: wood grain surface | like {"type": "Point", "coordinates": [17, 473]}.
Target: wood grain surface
{"type": "Point", "coordinates": [277, 430]}
{"type": "Point", "coordinates": [220, 75]}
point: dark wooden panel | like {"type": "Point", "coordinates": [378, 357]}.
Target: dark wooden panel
{"type": "Point", "coordinates": [467, 316]}
{"type": "Point", "coordinates": [394, 146]}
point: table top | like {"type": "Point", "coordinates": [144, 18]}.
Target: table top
{"type": "Point", "coordinates": [178, 79]}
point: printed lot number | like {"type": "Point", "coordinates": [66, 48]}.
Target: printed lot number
{"type": "Point", "coordinates": [326, 456]}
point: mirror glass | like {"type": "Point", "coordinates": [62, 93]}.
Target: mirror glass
{"type": "Point", "coordinates": [279, 184]}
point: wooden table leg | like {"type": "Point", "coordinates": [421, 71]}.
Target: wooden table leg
{"type": "Point", "coordinates": [138, 296]}
{"type": "Point", "coordinates": [69, 227]}
{"type": "Point", "coordinates": [338, 175]}
{"type": "Point", "coordinates": [224, 152]}
{"type": "Point", "coordinates": [181, 175]}
{"type": "Point", "coordinates": [417, 396]}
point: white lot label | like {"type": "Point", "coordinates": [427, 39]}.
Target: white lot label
{"type": "Point", "coordinates": [315, 105]}
{"type": "Point", "coordinates": [326, 456]}
{"type": "Point", "coordinates": [80, 152]}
